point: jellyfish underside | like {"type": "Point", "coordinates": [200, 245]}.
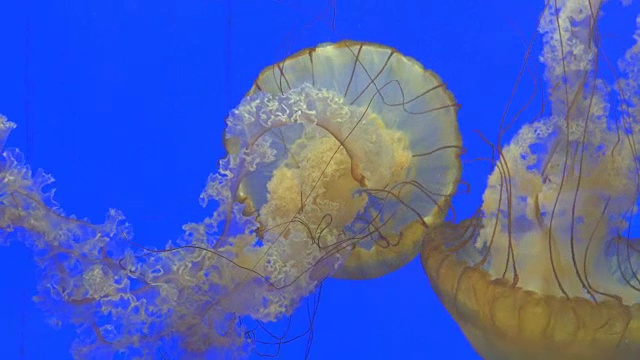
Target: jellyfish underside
{"type": "Point", "coordinates": [547, 269]}
{"type": "Point", "coordinates": [390, 99]}
{"type": "Point", "coordinates": [299, 197]}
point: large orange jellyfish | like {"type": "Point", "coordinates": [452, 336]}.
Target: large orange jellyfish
{"type": "Point", "coordinates": [339, 160]}
{"type": "Point", "coordinates": [550, 267]}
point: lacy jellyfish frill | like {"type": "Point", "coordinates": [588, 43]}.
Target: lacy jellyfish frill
{"type": "Point", "coordinates": [338, 160]}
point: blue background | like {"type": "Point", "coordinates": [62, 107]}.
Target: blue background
{"type": "Point", "coordinates": [124, 103]}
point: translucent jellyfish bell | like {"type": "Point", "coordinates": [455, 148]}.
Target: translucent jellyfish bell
{"type": "Point", "coordinates": [365, 148]}
{"type": "Point", "coordinates": [550, 269]}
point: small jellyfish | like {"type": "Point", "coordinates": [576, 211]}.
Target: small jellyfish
{"type": "Point", "coordinates": [339, 159]}
{"type": "Point", "coordinates": [550, 266]}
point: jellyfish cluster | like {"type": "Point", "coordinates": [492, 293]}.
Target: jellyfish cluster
{"type": "Point", "coordinates": [342, 161]}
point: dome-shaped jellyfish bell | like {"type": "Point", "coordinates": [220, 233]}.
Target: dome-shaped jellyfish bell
{"type": "Point", "coordinates": [545, 270]}
{"type": "Point", "coordinates": [359, 152]}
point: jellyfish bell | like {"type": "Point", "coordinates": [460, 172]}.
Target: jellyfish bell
{"type": "Point", "coordinates": [350, 110]}
{"type": "Point", "coordinates": [519, 289]}
{"type": "Point", "coordinates": [549, 268]}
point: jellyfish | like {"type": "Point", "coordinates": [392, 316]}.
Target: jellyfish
{"type": "Point", "coordinates": [549, 267]}
{"type": "Point", "coordinates": [338, 160]}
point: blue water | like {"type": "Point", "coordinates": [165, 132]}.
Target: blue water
{"type": "Point", "coordinates": [124, 103]}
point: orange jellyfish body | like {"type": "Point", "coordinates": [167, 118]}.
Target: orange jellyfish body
{"type": "Point", "coordinates": [504, 321]}
{"type": "Point", "coordinates": [399, 117]}
{"type": "Point", "coordinates": [549, 269]}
